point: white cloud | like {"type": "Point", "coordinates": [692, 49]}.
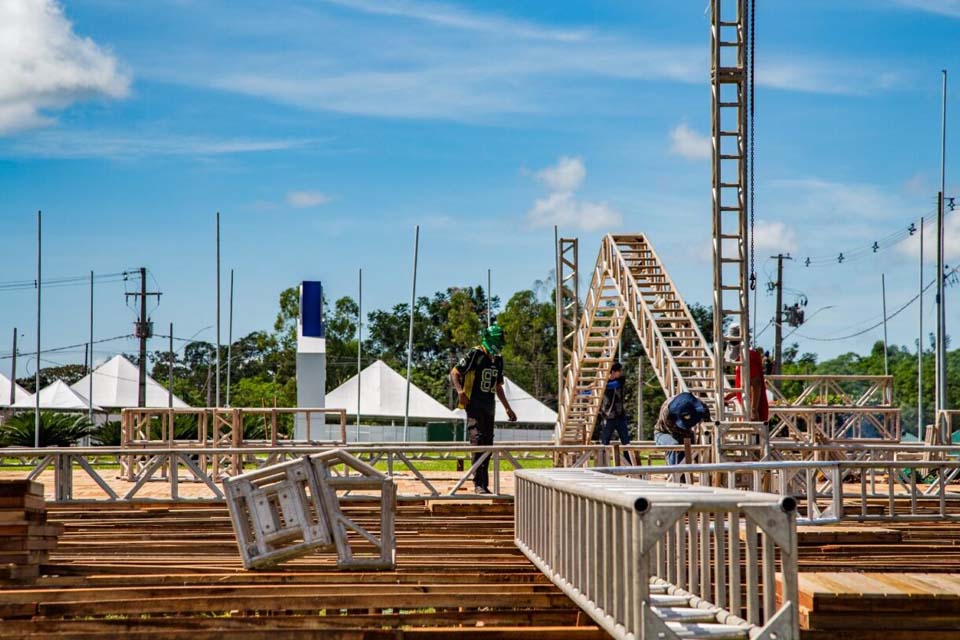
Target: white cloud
{"type": "Point", "coordinates": [566, 175]}
{"type": "Point", "coordinates": [303, 199]}
{"type": "Point", "coordinates": [941, 7]}
{"type": "Point", "coordinates": [687, 143]}
{"type": "Point", "coordinates": [562, 207]}
{"type": "Point", "coordinates": [448, 16]}
{"type": "Point", "coordinates": [45, 66]}
{"type": "Point", "coordinates": [775, 237]}
{"type": "Point", "coordinates": [814, 74]}
{"type": "Point", "coordinates": [951, 240]}
{"type": "Point", "coordinates": [565, 210]}
{"type": "Point", "coordinates": [102, 144]}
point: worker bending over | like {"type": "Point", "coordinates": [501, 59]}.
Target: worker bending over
{"type": "Point", "coordinates": [679, 417]}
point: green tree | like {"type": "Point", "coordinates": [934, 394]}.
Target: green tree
{"type": "Point", "coordinates": [463, 324]}
{"type": "Point", "coordinates": [530, 352]}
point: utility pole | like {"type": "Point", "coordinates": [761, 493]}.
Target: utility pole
{"type": "Point", "coordinates": [13, 370]}
{"type": "Point", "coordinates": [170, 371]}
{"type": "Point", "coordinates": [941, 312]}
{"type": "Point", "coordinates": [778, 319]}
{"type": "Point", "coordinates": [218, 313]}
{"type": "Point", "coordinates": [883, 290]}
{"type": "Point", "coordinates": [230, 338]}
{"type": "Point", "coordinates": [36, 412]}
{"type": "Point", "coordinates": [143, 331]}
{"type": "Point", "coordinates": [489, 299]}
{"type": "Point", "coordinates": [920, 433]}
{"type": "Point", "coordinates": [90, 370]}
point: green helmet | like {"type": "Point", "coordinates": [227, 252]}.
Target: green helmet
{"type": "Point", "coordinates": [493, 339]}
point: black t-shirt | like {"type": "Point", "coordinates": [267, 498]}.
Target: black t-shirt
{"type": "Point", "coordinates": [481, 375]}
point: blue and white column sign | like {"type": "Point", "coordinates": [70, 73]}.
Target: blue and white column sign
{"type": "Point", "coordinates": [311, 360]}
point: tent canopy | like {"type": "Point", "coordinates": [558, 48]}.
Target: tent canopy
{"type": "Point", "coordinates": [116, 385]}
{"type": "Point", "coordinates": [383, 394]}
{"type": "Point", "coordinates": [529, 410]}
{"type": "Point", "coordinates": [19, 393]}
{"type": "Point", "coordinates": [59, 397]}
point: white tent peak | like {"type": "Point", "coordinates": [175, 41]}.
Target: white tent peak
{"type": "Point", "coordinates": [383, 394]}
{"type": "Point", "coordinates": [58, 396]}
{"type": "Point", "coordinates": [529, 410]}
{"type": "Point", "coordinates": [116, 385]}
{"type": "Point", "coordinates": [19, 393]}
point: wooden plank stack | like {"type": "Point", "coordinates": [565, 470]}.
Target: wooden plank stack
{"type": "Point", "coordinates": [858, 606]}
{"type": "Point", "coordinates": [26, 538]}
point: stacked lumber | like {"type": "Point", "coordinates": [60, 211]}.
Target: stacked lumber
{"type": "Point", "coordinates": [858, 606]}
{"type": "Point", "coordinates": [26, 538]}
{"type": "Point", "coordinates": [153, 570]}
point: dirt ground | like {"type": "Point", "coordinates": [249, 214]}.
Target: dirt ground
{"type": "Point", "coordinates": [84, 487]}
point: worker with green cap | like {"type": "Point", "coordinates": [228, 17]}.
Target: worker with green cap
{"type": "Point", "coordinates": [478, 380]}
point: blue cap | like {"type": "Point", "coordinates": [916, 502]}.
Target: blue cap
{"type": "Point", "coordinates": [687, 411]}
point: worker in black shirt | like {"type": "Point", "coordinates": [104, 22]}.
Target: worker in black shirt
{"type": "Point", "coordinates": [478, 379]}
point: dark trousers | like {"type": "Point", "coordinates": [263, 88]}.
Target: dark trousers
{"type": "Point", "coordinates": [480, 432]}
{"type": "Point", "coordinates": [623, 431]}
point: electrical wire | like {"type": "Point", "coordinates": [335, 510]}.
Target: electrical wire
{"type": "Point", "coordinates": [858, 253]}
{"type": "Point", "coordinates": [9, 355]}
{"type": "Point", "coordinates": [64, 281]}
{"type": "Point", "coordinates": [879, 324]}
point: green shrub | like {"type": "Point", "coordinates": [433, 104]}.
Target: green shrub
{"type": "Point", "coordinates": [56, 429]}
{"type": "Point", "coordinates": [108, 434]}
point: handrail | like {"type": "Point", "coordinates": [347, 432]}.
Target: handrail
{"type": "Point", "coordinates": [610, 244]}
{"type": "Point", "coordinates": [638, 557]}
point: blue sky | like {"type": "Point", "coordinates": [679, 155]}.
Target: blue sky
{"type": "Point", "coordinates": [325, 130]}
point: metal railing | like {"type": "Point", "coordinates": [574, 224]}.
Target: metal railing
{"type": "Point", "coordinates": [167, 470]}
{"type": "Point", "coordinates": [827, 424]}
{"type": "Point", "coordinates": [828, 492]}
{"type": "Point", "coordinates": [649, 559]}
{"type": "Point", "coordinates": [830, 390]}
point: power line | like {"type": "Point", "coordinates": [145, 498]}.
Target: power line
{"type": "Point", "coordinates": [889, 317]}
{"type": "Point", "coordinates": [65, 348]}
{"type": "Point", "coordinates": [858, 253]}
{"type": "Point", "coordinates": [64, 281]}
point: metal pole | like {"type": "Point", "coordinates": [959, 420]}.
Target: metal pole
{"type": "Point", "coordinates": [359, 342]}
{"type": "Point", "coordinates": [941, 311]}
{"type": "Point", "coordinates": [413, 304]}
{"type": "Point", "coordinates": [13, 370]}
{"type": "Point", "coordinates": [90, 370]}
{"type": "Point", "coordinates": [230, 338]}
{"type": "Point", "coordinates": [558, 303]}
{"type": "Point", "coordinates": [883, 289]}
{"type": "Point", "coordinates": [216, 401]}
{"type": "Point", "coordinates": [640, 398]}
{"type": "Point", "coordinates": [142, 390]}
{"type": "Point", "coordinates": [170, 362]}
{"type": "Point", "coordinates": [778, 325]}
{"type": "Point", "coordinates": [920, 433]}
{"type": "Point", "coordinates": [36, 413]}
{"type": "Point", "coordinates": [489, 299]}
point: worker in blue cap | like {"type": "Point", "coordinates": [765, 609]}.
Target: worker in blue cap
{"type": "Point", "coordinates": [679, 417]}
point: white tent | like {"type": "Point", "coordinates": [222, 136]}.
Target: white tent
{"type": "Point", "coordinates": [529, 410]}
{"type": "Point", "coordinates": [116, 385]}
{"type": "Point", "coordinates": [383, 394]}
{"type": "Point", "coordinates": [19, 393]}
{"type": "Point", "coordinates": [57, 396]}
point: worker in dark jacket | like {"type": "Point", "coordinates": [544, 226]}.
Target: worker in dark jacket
{"type": "Point", "coordinates": [612, 410]}
{"type": "Point", "coordinates": [679, 417]}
